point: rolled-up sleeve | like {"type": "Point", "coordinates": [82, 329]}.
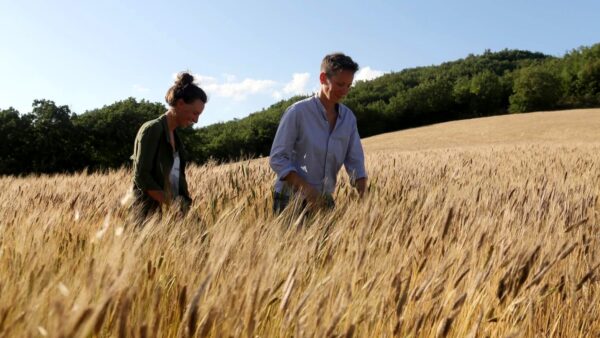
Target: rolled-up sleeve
{"type": "Point", "coordinates": [146, 144]}
{"type": "Point", "coordinates": [355, 157]}
{"type": "Point", "coordinates": [280, 158]}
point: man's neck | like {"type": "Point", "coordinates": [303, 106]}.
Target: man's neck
{"type": "Point", "coordinates": [328, 104]}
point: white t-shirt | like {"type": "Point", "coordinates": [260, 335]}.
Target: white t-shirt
{"type": "Point", "coordinates": [174, 175]}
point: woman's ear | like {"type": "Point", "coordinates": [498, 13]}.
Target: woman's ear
{"type": "Point", "coordinates": [179, 103]}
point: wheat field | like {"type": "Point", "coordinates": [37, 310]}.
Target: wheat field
{"type": "Point", "coordinates": [479, 228]}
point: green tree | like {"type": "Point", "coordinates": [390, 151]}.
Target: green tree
{"type": "Point", "coordinates": [56, 143]}
{"type": "Point", "coordinates": [479, 96]}
{"type": "Point", "coordinates": [535, 89]}
{"type": "Point", "coordinates": [15, 142]}
{"type": "Point", "coordinates": [110, 131]}
{"type": "Point", "coordinates": [588, 83]}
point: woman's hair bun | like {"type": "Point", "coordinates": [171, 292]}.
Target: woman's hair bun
{"type": "Point", "coordinates": [184, 78]}
{"type": "Point", "coordinates": [185, 88]}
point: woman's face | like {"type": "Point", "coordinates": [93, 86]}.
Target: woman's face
{"type": "Point", "coordinates": [188, 113]}
{"type": "Point", "coordinates": [337, 86]}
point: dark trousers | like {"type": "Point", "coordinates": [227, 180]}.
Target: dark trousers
{"type": "Point", "coordinates": [145, 206]}
{"type": "Point", "coordinates": [281, 201]}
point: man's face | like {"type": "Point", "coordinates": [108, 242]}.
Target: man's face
{"type": "Point", "coordinates": [337, 86]}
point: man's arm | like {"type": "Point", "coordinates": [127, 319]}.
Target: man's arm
{"type": "Point", "coordinates": [355, 163]}
{"type": "Point", "coordinates": [280, 158]}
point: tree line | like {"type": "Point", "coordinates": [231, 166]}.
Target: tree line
{"type": "Point", "coordinates": [52, 139]}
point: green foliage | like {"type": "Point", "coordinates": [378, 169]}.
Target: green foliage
{"type": "Point", "coordinates": [249, 137]}
{"type": "Point", "coordinates": [474, 86]}
{"type": "Point", "coordinates": [110, 131]}
{"type": "Point", "coordinates": [580, 75]}
{"type": "Point", "coordinates": [52, 139]}
{"type": "Point", "coordinates": [55, 141]}
{"type": "Point", "coordinates": [15, 141]}
{"type": "Point", "coordinates": [485, 93]}
{"type": "Point", "coordinates": [535, 89]}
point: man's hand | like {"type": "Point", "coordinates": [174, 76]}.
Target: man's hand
{"type": "Point", "coordinates": [361, 186]}
{"type": "Point", "coordinates": [312, 195]}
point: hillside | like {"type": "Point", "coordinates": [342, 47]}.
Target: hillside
{"type": "Point", "coordinates": [489, 84]}
{"type": "Point", "coordinates": [568, 127]}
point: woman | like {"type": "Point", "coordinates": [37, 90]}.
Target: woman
{"type": "Point", "coordinates": [159, 157]}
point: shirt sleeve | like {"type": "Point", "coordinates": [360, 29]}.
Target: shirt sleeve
{"type": "Point", "coordinates": [280, 158]}
{"type": "Point", "coordinates": [146, 144]}
{"type": "Point", "coordinates": [355, 158]}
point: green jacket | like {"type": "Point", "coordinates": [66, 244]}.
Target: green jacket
{"type": "Point", "coordinates": [153, 158]}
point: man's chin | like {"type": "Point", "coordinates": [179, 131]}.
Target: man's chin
{"type": "Point", "coordinates": [336, 98]}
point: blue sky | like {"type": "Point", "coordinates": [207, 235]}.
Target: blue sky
{"type": "Point", "coordinates": [250, 54]}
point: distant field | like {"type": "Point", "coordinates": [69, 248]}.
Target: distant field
{"type": "Point", "coordinates": [476, 228]}
{"type": "Point", "coordinates": [553, 128]}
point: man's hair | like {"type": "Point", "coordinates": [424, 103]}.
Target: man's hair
{"type": "Point", "coordinates": [336, 62]}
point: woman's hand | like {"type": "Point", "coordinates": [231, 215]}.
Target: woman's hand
{"type": "Point", "coordinates": [157, 195]}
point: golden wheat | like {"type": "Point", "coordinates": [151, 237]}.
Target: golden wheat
{"type": "Point", "coordinates": [480, 241]}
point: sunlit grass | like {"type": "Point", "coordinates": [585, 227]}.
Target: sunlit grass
{"type": "Point", "coordinates": [478, 241]}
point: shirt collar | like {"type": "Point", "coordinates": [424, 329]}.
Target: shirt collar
{"type": "Point", "coordinates": [340, 108]}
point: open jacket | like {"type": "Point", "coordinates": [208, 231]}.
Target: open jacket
{"type": "Point", "coordinates": [152, 162]}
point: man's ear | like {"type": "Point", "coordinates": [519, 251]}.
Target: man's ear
{"type": "Point", "coordinates": [323, 78]}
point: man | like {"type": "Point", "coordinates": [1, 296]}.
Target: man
{"type": "Point", "coordinates": [315, 137]}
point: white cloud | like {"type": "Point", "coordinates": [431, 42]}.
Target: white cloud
{"type": "Point", "coordinates": [366, 73]}
{"type": "Point", "coordinates": [203, 80]}
{"type": "Point", "coordinates": [240, 90]}
{"type": "Point", "coordinates": [229, 77]}
{"type": "Point", "coordinates": [140, 89]}
{"type": "Point", "coordinates": [298, 84]}
{"type": "Point", "coordinates": [229, 86]}
{"type": "Point", "coordinates": [199, 79]}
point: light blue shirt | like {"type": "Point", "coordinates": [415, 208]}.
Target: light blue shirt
{"type": "Point", "coordinates": [304, 144]}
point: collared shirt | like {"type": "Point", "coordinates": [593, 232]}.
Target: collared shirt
{"type": "Point", "coordinates": [304, 144]}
